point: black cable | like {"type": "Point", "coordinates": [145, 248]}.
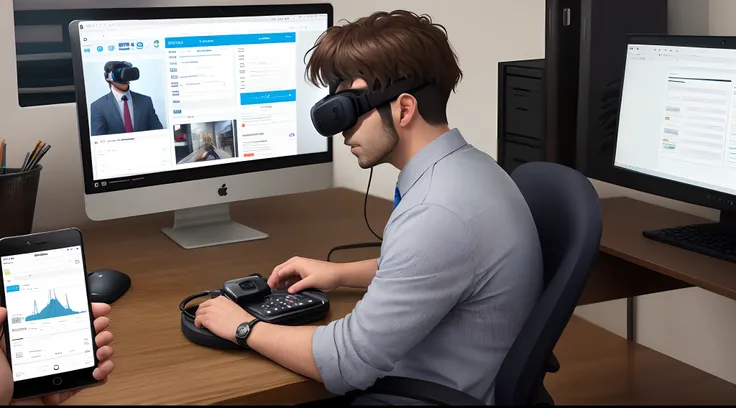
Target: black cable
{"type": "Point", "coordinates": [183, 305]}
{"type": "Point", "coordinates": [365, 206]}
{"type": "Point", "coordinates": [365, 216]}
{"type": "Point", "coordinates": [353, 246]}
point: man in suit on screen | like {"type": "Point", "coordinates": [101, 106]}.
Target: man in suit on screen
{"type": "Point", "coordinates": [122, 110]}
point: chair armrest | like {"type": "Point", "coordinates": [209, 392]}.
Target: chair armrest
{"type": "Point", "coordinates": [553, 365]}
{"type": "Point", "coordinates": [419, 390]}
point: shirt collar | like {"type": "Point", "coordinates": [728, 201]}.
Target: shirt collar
{"type": "Point", "coordinates": [428, 157]}
{"type": "Point", "coordinates": [119, 95]}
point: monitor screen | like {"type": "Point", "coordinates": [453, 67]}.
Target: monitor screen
{"type": "Point", "coordinates": [677, 115]}
{"type": "Point", "coordinates": [179, 96]}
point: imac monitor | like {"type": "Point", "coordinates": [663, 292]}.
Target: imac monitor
{"type": "Point", "coordinates": [677, 132]}
{"type": "Point", "coordinates": [191, 108]}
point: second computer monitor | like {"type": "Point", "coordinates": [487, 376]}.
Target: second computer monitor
{"type": "Point", "coordinates": [677, 112]}
{"type": "Point", "coordinates": [196, 107]}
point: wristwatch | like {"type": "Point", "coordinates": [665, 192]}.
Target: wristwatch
{"type": "Point", "coordinates": [243, 331]}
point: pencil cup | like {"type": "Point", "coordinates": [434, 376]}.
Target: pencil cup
{"type": "Point", "coordinates": [18, 192]}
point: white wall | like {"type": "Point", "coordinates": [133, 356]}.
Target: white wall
{"type": "Point", "coordinates": [721, 17]}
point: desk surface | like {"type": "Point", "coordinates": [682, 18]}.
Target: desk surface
{"type": "Point", "coordinates": [155, 364]}
{"type": "Point", "coordinates": [624, 221]}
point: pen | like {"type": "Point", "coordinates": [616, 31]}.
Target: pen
{"type": "Point", "coordinates": [34, 152]}
{"type": "Point", "coordinates": [25, 161]}
{"type": "Point", "coordinates": [39, 156]}
{"type": "Point", "coordinates": [2, 156]}
{"type": "Point", "coordinates": [4, 168]}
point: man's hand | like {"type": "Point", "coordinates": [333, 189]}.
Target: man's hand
{"type": "Point", "coordinates": [222, 317]}
{"type": "Point", "coordinates": [303, 273]}
{"type": "Point", "coordinates": [104, 353]}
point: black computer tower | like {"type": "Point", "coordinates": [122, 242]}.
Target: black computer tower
{"type": "Point", "coordinates": [585, 52]}
{"type": "Point", "coordinates": [602, 59]}
{"type": "Point", "coordinates": [521, 113]}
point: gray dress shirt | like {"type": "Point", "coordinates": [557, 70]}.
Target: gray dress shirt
{"type": "Point", "coordinates": [459, 272]}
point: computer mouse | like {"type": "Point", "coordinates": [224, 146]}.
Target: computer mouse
{"type": "Point", "coordinates": [107, 285]}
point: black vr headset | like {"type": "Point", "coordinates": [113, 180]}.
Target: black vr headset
{"type": "Point", "coordinates": [338, 112]}
{"type": "Point", "coordinates": [121, 72]}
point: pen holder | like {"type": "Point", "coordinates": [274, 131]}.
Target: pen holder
{"type": "Point", "coordinates": [18, 192]}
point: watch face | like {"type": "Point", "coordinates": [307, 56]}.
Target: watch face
{"type": "Point", "coordinates": [243, 330]}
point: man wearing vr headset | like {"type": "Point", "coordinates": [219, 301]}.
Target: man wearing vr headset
{"type": "Point", "coordinates": [122, 110]}
{"type": "Point", "coordinates": [461, 264]}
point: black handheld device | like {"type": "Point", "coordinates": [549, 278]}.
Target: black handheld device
{"type": "Point", "coordinates": [49, 332]}
{"type": "Point", "coordinates": [253, 294]}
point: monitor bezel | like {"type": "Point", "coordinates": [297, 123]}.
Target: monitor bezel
{"type": "Point", "coordinates": [658, 185]}
{"type": "Point", "coordinates": [190, 174]}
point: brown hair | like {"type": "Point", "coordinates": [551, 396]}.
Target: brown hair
{"type": "Point", "coordinates": [386, 47]}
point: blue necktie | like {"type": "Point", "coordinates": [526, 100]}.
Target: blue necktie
{"type": "Point", "coordinates": [397, 197]}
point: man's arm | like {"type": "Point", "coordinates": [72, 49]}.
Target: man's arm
{"type": "Point", "coordinates": [327, 276]}
{"type": "Point", "coordinates": [358, 274]}
{"type": "Point", "coordinates": [290, 347]}
{"type": "Point", "coordinates": [286, 345]}
{"type": "Point", "coordinates": [424, 275]}
{"type": "Point", "coordinates": [427, 268]}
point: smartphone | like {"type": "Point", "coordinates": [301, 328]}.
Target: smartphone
{"type": "Point", "coordinates": [49, 332]}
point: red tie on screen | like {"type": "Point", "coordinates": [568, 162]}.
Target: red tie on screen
{"type": "Point", "coordinates": [126, 115]}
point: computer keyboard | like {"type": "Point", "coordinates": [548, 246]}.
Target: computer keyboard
{"type": "Point", "coordinates": [708, 239]}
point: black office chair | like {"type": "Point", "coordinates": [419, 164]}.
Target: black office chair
{"type": "Point", "coordinates": [566, 211]}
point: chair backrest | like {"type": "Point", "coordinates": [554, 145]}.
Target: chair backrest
{"type": "Point", "coordinates": [567, 214]}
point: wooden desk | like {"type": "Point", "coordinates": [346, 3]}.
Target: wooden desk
{"type": "Point", "coordinates": [631, 265]}
{"type": "Point", "coordinates": [624, 220]}
{"type": "Point", "coordinates": [155, 364]}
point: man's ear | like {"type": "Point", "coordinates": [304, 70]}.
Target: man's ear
{"type": "Point", "coordinates": [407, 109]}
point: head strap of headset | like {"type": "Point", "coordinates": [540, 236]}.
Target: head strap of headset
{"type": "Point", "coordinates": [367, 101]}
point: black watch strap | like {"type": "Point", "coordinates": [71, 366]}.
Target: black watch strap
{"type": "Point", "coordinates": [243, 332]}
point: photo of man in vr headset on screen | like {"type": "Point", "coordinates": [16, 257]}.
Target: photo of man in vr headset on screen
{"type": "Point", "coordinates": [122, 110]}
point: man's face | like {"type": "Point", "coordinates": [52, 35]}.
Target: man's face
{"type": "Point", "coordinates": [370, 140]}
{"type": "Point", "coordinates": [120, 87]}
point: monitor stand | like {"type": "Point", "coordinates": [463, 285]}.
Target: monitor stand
{"type": "Point", "coordinates": [208, 226]}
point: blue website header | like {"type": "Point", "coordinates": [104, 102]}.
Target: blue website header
{"type": "Point", "coordinates": [225, 40]}
{"type": "Point", "coordinates": [256, 98]}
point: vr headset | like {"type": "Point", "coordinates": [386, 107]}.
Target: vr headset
{"type": "Point", "coordinates": [338, 112]}
{"type": "Point", "coordinates": [121, 72]}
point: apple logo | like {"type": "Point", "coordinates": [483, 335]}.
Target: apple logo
{"type": "Point", "coordinates": [222, 191]}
